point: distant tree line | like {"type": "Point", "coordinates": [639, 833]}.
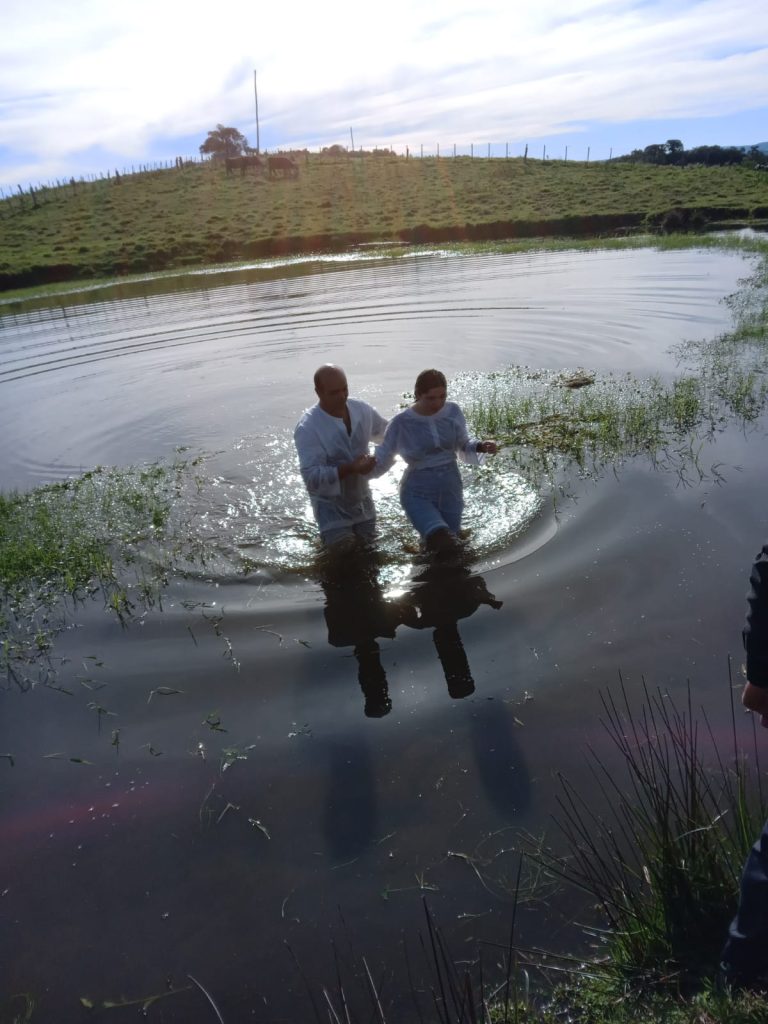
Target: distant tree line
{"type": "Point", "coordinates": [674, 152]}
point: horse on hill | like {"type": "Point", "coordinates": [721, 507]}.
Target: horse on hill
{"type": "Point", "coordinates": [282, 166]}
{"type": "Point", "coordinates": [242, 163]}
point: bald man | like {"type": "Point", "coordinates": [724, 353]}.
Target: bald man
{"type": "Point", "coordinates": [332, 440]}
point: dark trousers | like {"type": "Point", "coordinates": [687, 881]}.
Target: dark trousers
{"type": "Point", "coordinates": [745, 954]}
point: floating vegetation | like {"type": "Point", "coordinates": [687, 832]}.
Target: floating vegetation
{"type": "Point", "coordinates": [116, 534]}
{"type": "Point", "coordinates": [555, 421]}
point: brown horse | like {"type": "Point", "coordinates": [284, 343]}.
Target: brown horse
{"type": "Point", "coordinates": [282, 166]}
{"type": "Point", "coordinates": [233, 163]}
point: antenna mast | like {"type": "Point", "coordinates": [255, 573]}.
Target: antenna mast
{"type": "Point", "coordinates": [256, 96]}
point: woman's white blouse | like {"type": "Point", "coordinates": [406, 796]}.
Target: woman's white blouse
{"type": "Point", "coordinates": [427, 441]}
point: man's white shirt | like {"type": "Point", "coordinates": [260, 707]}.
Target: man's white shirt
{"type": "Point", "coordinates": [323, 444]}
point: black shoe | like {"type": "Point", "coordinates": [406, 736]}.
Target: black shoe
{"type": "Point", "coordinates": [729, 981]}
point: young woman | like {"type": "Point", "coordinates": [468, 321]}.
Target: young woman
{"type": "Point", "coordinates": [429, 435]}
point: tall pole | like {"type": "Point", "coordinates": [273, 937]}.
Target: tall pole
{"type": "Point", "coordinates": [256, 96]}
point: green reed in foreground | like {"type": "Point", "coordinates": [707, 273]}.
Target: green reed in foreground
{"type": "Point", "coordinates": [110, 532]}
{"type": "Point", "coordinates": [656, 845]}
{"type": "Point", "coordinates": [663, 862]}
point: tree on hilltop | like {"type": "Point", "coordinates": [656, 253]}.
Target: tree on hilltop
{"type": "Point", "coordinates": [223, 142]}
{"type": "Point", "coordinates": [655, 154]}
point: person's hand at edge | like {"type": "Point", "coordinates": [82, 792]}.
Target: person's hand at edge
{"type": "Point", "coordinates": [755, 698]}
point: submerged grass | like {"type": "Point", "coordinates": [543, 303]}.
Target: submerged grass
{"type": "Point", "coordinates": [116, 533]}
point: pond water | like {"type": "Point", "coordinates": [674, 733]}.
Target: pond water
{"type": "Point", "coordinates": [133, 865]}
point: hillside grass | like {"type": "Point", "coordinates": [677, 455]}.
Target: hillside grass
{"type": "Point", "coordinates": [198, 215]}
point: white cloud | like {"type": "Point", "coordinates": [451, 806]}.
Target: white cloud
{"type": "Point", "coordinates": [92, 74]}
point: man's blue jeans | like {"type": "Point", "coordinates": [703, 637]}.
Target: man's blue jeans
{"type": "Point", "coordinates": [745, 954]}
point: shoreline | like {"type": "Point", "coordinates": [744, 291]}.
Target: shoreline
{"type": "Point", "coordinates": [68, 279]}
{"type": "Point", "coordinates": [616, 225]}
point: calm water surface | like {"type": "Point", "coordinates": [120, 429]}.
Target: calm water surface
{"type": "Point", "coordinates": [152, 862]}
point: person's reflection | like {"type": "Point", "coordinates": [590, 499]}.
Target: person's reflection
{"type": "Point", "coordinates": [443, 592]}
{"type": "Point", "coordinates": [356, 615]}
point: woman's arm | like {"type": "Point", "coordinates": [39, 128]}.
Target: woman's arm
{"type": "Point", "coordinates": [471, 450]}
{"type": "Point", "coordinates": [385, 453]}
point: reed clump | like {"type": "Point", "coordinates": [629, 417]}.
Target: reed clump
{"type": "Point", "coordinates": [663, 862]}
{"type": "Point", "coordinates": [657, 848]}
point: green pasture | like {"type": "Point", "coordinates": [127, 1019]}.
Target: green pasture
{"type": "Point", "coordinates": [199, 215]}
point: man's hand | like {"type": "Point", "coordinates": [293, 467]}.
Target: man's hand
{"type": "Point", "coordinates": [362, 464]}
{"type": "Point", "coordinates": [487, 447]}
{"type": "Point", "coordinates": [755, 698]}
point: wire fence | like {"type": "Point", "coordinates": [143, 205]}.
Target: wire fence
{"type": "Point", "coordinates": [481, 151]}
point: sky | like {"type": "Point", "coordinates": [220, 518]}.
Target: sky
{"type": "Point", "coordinates": [91, 86]}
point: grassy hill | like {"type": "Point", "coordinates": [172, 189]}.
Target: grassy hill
{"type": "Point", "coordinates": [198, 214]}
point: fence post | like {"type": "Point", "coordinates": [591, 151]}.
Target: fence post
{"type": "Point", "coordinates": [489, 151]}
{"type": "Point", "coordinates": [566, 154]}
{"type": "Point", "coordinates": [454, 149]}
{"type": "Point", "coordinates": [587, 154]}
{"type": "Point", "coordinates": [506, 151]}
{"type": "Point", "coordinates": [438, 151]}
{"type": "Point", "coordinates": [472, 150]}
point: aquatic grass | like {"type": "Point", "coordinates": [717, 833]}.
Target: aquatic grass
{"type": "Point", "coordinates": [441, 989]}
{"type": "Point", "coordinates": [545, 426]}
{"type": "Point", "coordinates": [113, 533]}
{"type": "Point", "coordinates": [553, 422]}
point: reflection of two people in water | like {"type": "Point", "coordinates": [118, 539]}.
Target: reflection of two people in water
{"type": "Point", "coordinates": [358, 614]}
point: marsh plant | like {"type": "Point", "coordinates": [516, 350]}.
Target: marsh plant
{"type": "Point", "coordinates": [111, 534]}
{"type": "Point", "coordinates": [554, 422]}
{"type": "Point", "coordinates": [661, 863]}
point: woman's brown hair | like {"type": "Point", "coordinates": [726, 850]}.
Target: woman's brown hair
{"type": "Point", "coordinates": [427, 380]}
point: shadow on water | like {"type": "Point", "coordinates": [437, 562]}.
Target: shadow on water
{"type": "Point", "coordinates": [350, 815]}
{"type": "Point", "coordinates": [359, 612]}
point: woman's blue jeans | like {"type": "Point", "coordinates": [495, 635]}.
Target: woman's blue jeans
{"type": "Point", "coordinates": [433, 499]}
